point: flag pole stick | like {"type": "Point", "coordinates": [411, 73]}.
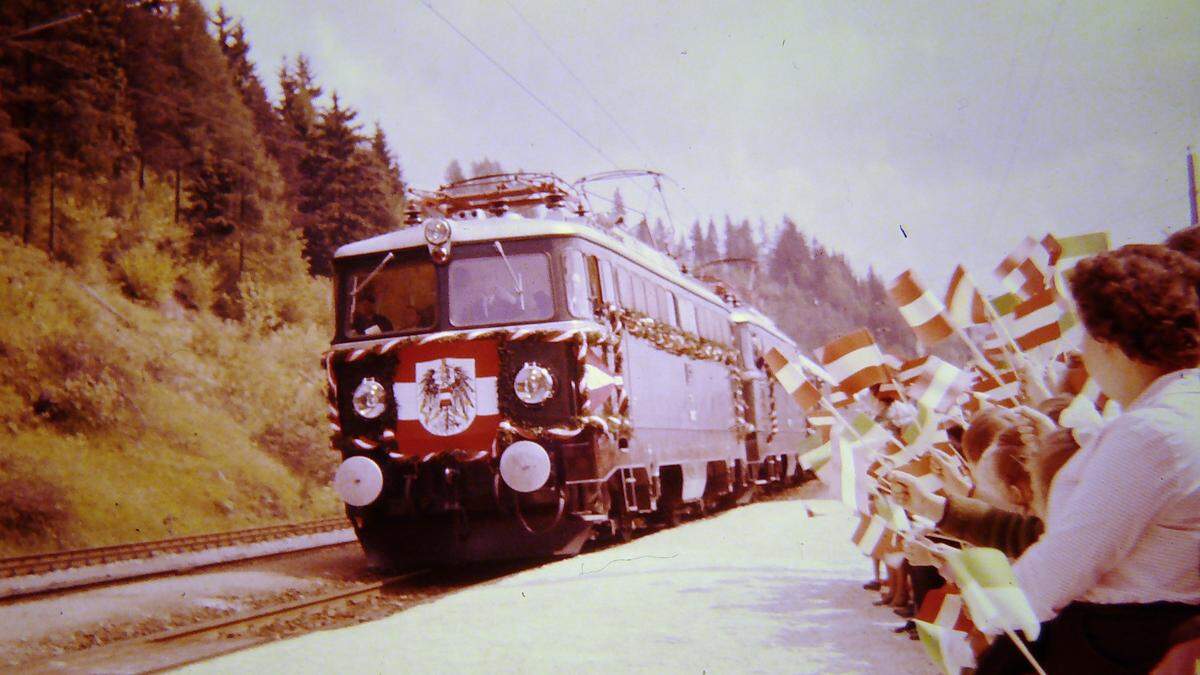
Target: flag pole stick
{"type": "Point", "coordinates": [998, 324]}
{"type": "Point", "coordinates": [1020, 644]}
{"type": "Point", "coordinates": [978, 355]}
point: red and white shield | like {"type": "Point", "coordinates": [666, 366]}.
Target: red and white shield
{"type": "Point", "coordinates": [445, 396]}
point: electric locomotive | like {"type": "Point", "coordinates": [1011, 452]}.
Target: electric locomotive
{"type": "Point", "coordinates": [510, 377]}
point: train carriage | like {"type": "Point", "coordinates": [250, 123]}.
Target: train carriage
{"type": "Point", "coordinates": [505, 385]}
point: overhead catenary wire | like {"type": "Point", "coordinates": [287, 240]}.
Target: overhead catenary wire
{"type": "Point", "coordinates": [612, 118]}
{"type": "Point", "coordinates": [529, 92]}
{"type": "Point", "coordinates": [1028, 107]}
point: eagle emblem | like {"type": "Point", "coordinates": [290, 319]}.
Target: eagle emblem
{"type": "Point", "coordinates": [447, 391]}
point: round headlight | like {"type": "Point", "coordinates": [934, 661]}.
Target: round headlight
{"type": "Point", "coordinates": [437, 231]}
{"type": "Point", "coordinates": [533, 384]}
{"type": "Point", "coordinates": [370, 399]}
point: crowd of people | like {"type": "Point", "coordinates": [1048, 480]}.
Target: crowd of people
{"type": "Point", "coordinates": [1094, 496]}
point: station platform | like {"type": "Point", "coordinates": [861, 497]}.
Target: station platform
{"type": "Point", "coordinates": [761, 588]}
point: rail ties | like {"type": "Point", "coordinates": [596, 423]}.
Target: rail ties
{"type": "Point", "coordinates": [41, 563]}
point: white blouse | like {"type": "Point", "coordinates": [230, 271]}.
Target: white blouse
{"type": "Point", "coordinates": [1124, 513]}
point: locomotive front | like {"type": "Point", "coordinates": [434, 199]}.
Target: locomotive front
{"type": "Point", "coordinates": [465, 386]}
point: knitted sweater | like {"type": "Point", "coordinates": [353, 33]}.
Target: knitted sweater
{"type": "Point", "coordinates": [981, 524]}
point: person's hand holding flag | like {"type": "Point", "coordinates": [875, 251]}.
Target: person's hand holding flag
{"type": "Point", "coordinates": [955, 480]}
{"type": "Point", "coordinates": [908, 492]}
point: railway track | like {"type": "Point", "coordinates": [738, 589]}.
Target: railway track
{"type": "Point", "coordinates": [80, 568]}
{"type": "Point", "coordinates": [188, 644]}
{"type": "Point", "coordinates": [40, 563]}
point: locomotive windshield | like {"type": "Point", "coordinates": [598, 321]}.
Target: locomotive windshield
{"type": "Point", "coordinates": [383, 294]}
{"type": "Point", "coordinates": [485, 291]}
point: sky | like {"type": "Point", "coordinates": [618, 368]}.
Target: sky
{"type": "Point", "coordinates": [913, 134]}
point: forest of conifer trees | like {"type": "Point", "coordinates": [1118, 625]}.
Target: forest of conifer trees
{"type": "Point", "coordinates": [166, 232]}
{"type": "Point", "coordinates": [136, 106]}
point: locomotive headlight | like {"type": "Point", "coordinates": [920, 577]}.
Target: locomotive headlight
{"type": "Point", "coordinates": [437, 231]}
{"type": "Point", "coordinates": [370, 399]}
{"type": "Point", "coordinates": [533, 384]}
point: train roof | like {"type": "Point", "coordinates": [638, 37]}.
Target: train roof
{"type": "Point", "coordinates": [751, 315]}
{"type": "Point", "coordinates": [515, 226]}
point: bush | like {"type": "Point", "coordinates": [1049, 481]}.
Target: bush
{"type": "Point", "coordinates": [146, 273]}
{"type": "Point", "coordinates": [304, 452]}
{"type": "Point", "coordinates": [32, 508]}
{"type": "Point", "coordinates": [83, 388]}
{"type": "Point", "coordinates": [197, 285]}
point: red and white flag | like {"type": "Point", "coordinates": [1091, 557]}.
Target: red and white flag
{"type": "Point", "coordinates": [792, 379]}
{"type": "Point", "coordinates": [1005, 392]}
{"type": "Point", "coordinates": [854, 360]}
{"type": "Point", "coordinates": [921, 310]}
{"type": "Point", "coordinates": [1036, 321]}
{"type": "Point", "coordinates": [1026, 270]}
{"type": "Point", "coordinates": [964, 303]}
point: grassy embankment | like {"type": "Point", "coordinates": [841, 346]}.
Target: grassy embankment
{"type": "Point", "coordinates": [127, 417]}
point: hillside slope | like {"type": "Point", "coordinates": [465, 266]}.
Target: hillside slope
{"type": "Point", "coordinates": [121, 421]}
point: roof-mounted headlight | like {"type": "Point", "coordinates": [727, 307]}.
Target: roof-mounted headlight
{"type": "Point", "coordinates": [437, 231]}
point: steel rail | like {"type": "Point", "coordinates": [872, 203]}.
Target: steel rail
{"type": "Point", "coordinates": [40, 563]}
{"type": "Point", "coordinates": [177, 647]}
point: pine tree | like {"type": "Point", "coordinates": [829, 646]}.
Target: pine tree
{"type": "Point", "coordinates": [618, 205]}
{"type": "Point", "coordinates": [708, 249]}
{"type": "Point", "coordinates": [383, 154]}
{"type": "Point", "coordinates": [454, 172]}
{"type": "Point", "coordinates": [65, 96]}
{"type": "Point", "coordinates": [485, 167]}
{"type": "Point", "coordinates": [342, 194]}
{"type": "Point", "coordinates": [791, 257]}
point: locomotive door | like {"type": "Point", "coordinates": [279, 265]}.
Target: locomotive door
{"type": "Point", "coordinates": [754, 387]}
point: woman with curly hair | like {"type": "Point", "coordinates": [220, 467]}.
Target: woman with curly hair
{"type": "Point", "coordinates": [1118, 566]}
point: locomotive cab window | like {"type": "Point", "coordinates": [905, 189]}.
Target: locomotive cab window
{"type": "Point", "coordinates": [381, 295]}
{"type": "Point", "coordinates": [578, 285]}
{"type": "Point", "coordinates": [485, 292]}
{"type": "Point", "coordinates": [608, 287]}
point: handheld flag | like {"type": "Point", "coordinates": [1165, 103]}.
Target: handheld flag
{"type": "Point", "coordinates": [854, 361]}
{"type": "Point", "coordinates": [1036, 321]}
{"type": "Point", "coordinates": [964, 303]}
{"type": "Point", "coordinates": [1025, 271]}
{"type": "Point", "coordinates": [922, 311]}
{"type": "Point", "coordinates": [791, 377]}
{"type": "Point", "coordinates": [990, 590]}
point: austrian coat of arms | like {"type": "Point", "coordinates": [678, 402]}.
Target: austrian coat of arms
{"type": "Point", "coordinates": [447, 395]}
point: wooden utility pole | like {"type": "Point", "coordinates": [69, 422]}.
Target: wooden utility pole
{"type": "Point", "coordinates": [1191, 162]}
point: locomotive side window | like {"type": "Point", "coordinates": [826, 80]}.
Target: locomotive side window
{"type": "Point", "coordinates": [639, 294]}
{"type": "Point", "coordinates": [483, 291]}
{"type": "Point", "coordinates": [578, 285]}
{"type": "Point", "coordinates": [687, 316]}
{"type": "Point", "coordinates": [381, 295]}
{"type": "Point", "coordinates": [666, 300]}
{"type": "Point", "coordinates": [645, 293]}
{"type": "Point", "coordinates": [624, 288]}
{"type": "Point", "coordinates": [608, 284]}
{"type": "Point", "coordinates": [595, 288]}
